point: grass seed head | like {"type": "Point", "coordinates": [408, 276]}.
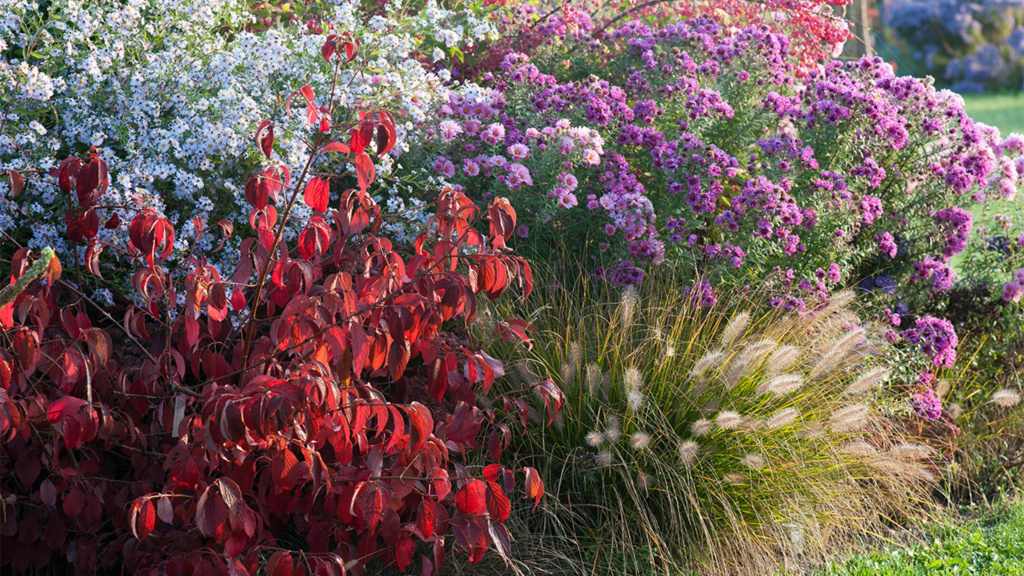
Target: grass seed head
{"type": "Point", "coordinates": [734, 329]}
{"type": "Point", "coordinates": [782, 418]}
{"type": "Point", "coordinates": [868, 381]}
{"type": "Point", "coordinates": [701, 427]}
{"type": "Point", "coordinates": [728, 420]}
{"type": "Point", "coordinates": [688, 451]}
{"type": "Point", "coordinates": [1005, 398]}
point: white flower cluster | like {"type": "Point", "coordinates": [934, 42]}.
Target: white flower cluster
{"type": "Point", "coordinates": [173, 100]}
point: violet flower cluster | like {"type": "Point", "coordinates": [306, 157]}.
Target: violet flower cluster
{"type": "Point", "coordinates": [700, 144]}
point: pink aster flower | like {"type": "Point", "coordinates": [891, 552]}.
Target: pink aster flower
{"type": "Point", "coordinates": [493, 134]}
{"type": "Point", "coordinates": [450, 129]}
{"type": "Point", "coordinates": [448, 170]}
{"type": "Point", "coordinates": [568, 180]}
{"type": "Point", "coordinates": [518, 152]}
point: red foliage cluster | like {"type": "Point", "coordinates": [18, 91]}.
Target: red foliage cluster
{"type": "Point", "coordinates": [302, 416]}
{"type": "Point", "coordinates": [815, 27]}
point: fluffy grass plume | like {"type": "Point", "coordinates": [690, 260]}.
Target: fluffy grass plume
{"type": "Point", "coordinates": [722, 440]}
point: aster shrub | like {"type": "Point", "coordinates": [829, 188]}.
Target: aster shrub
{"type": "Point", "coordinates": [716, 439]}
{"type": "Point", "coordinates": [698, 143]}
{"type": "Point", "coordinates": [315, 409]}
{"type": "Point", "coordinates": [173, 92]}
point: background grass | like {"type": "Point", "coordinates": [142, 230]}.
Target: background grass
{"type": "Point", "coordinates": [1003, 110]}
{"type": "Point", "coordinates": [991, 544]}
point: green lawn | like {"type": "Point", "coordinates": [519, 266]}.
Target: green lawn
{"type": "Point", "coordinates": [991, 545]}
{"type": "Point", "coordinates": [1003, 110]}
{"type": "Point", "coordinates": [1006, 111]}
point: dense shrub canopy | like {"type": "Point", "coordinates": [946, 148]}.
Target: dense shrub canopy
{"type": "Point", "coordinates": [311, 411]}
{"type": "Point", "coordinates": [246, 245]}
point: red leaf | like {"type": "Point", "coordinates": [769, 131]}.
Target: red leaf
{"type": "Point", "coordinates": [265, 137]}
{"type": "Point", "coordinates": [364, 170]}
{"type": "Point", "coordinates": [164, 510]}
{"type": "Point", "coordinates": [360, 349]}
{"type": "Point", "coordinates": [317, 194]}
{"type": "Point", "coordinates": [351, 47]}
{"type": "Point", "coordinates": [502, 540]}
{"type": "Point", "coordinates": [314, 238]}
{"type": "Point", "coordinates": [17, 183]}
{"type": "Point", "coordinates": [91, 182]}
{"type": "Point", "coordinates": [327, 50]}
{"type": "Point", "coordinates": [358, 141]}
{"type": "Point", "coordinates": [74, 501]}
{"type": "Point", "coordinates": [211, 513]}
{"type": "Point", "coordinates": [514, 330]}
{"type": "Point", "coordinates": [502, 221]}
{"type": "Point", "coordinates": [403, 551]}
{"type": "Point", "coordinates": [81, 225]}
{"type": "Point", "coordinates": [421, 426]}
{"type": "Point", "coordinates": [493, 472]}
{"type": "Point", "coordinates": [427, 517]}
{"type": "Point", "coordinates": [440, 483]}
{"type": "Point", "coordinates": [497, 503]}
{"type": "Point", "coordinates": [281, 563]}
{"type": "Point", "coordinates": [145, 519]}
{"type": "Point", "coordinates": [152, 234]}
{"type": "Point", "coordinates": [68, 173]}
{"type": "Point", "coordinates": [337, 147]}
{"type": "Point", "coordinates": [307, 93]}
{"type": "Point", "coordinates": [237, 299]}
{"type": "Point", "coordinates": [48, 493]}
{"type": "Point", "coordinates": [373, 506]}
{"type": "Point", "coordinates": [64, 408]}
{"type": "Point", "coordinates": [472, 498]}
{"type": "Point", "coordinates": [534, 486]}
{"type": "Point", "coordinates": [92, 258]}
{"type": "Point", "coordinates": [284, 470]}
{"type": "Point", "coordinates": [553, 398]}
{"type": "Point", "coordinates": [386, 133]}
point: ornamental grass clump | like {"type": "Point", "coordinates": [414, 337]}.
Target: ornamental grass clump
{"type": "Point", "coordinates": [724, 441]}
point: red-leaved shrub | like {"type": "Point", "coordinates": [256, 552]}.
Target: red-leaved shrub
{"type": "Point", "coordinates": [308, 415]}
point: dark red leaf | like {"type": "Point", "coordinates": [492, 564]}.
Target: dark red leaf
{"type": "Point", "coordinates": [472, 498]}
{"type": "Point", "coordinates": [17, 183]}
{"type": "Point", "coordinates": [265, 137]}
{"type": "Point", "coordinates": [403, 551]}
{"type": "Point", "coordinates": [426, 517]}
{"type": "Point", "coordinates": [48, 493]}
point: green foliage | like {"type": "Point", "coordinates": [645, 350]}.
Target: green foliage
{"type": "Point", "coordinates": [992, 545]}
